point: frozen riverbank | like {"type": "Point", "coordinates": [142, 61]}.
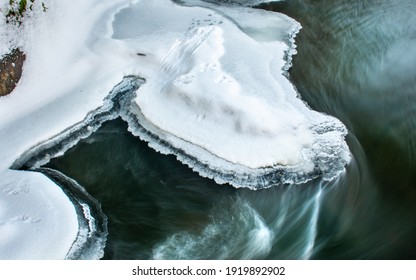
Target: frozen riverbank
{"type": "Point", "coordinates": [216, 92]}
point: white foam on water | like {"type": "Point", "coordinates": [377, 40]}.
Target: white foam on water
{"type": "Point", "coordinates": [313, 225]}
{"type": "Point", "coordinates": [218, 239]}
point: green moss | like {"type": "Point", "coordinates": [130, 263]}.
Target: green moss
{"type": "Point", "coordinates": [22, 7]}
{"type": "Point", "coordinates": [17, 10]}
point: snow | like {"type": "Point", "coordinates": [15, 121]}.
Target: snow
{"type": "Point", "coordinates": [216, 90]}
{"type": "Point", "coordinates": [248, 3]}
{"type": "Point", "coordinates": [32, 209]}
{"type": "Point", "coordinates": [201, 86]}
{"type": "Point", "coordinates": [63, 79]}
{"type": "Point", "coordinates": [221, 93]}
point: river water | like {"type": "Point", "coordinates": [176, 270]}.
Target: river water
{"type": "Point", "coordinates": [356, 61]}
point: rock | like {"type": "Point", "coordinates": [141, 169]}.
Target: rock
{"type": "Point", "coordinates": [11, 67]}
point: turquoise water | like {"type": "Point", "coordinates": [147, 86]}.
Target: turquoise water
{"type": "Point", "coordinates": [357, 61]}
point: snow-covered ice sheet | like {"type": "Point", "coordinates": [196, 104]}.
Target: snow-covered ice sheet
{"type": "Point", "coordinates": [220, 93]}
{"type": "Point", "coordinates": [216, 95]}
{"type": "Point", "coordinates": [32, 209]}
{"type": "Point", "coordinates": [248, 3]}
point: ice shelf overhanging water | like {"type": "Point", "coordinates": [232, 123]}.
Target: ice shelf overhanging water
{"type": "Point", "coordinates": [219, 97]}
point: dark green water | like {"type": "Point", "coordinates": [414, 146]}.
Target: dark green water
{"type": "Point", "coordinates": [357, 61]}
